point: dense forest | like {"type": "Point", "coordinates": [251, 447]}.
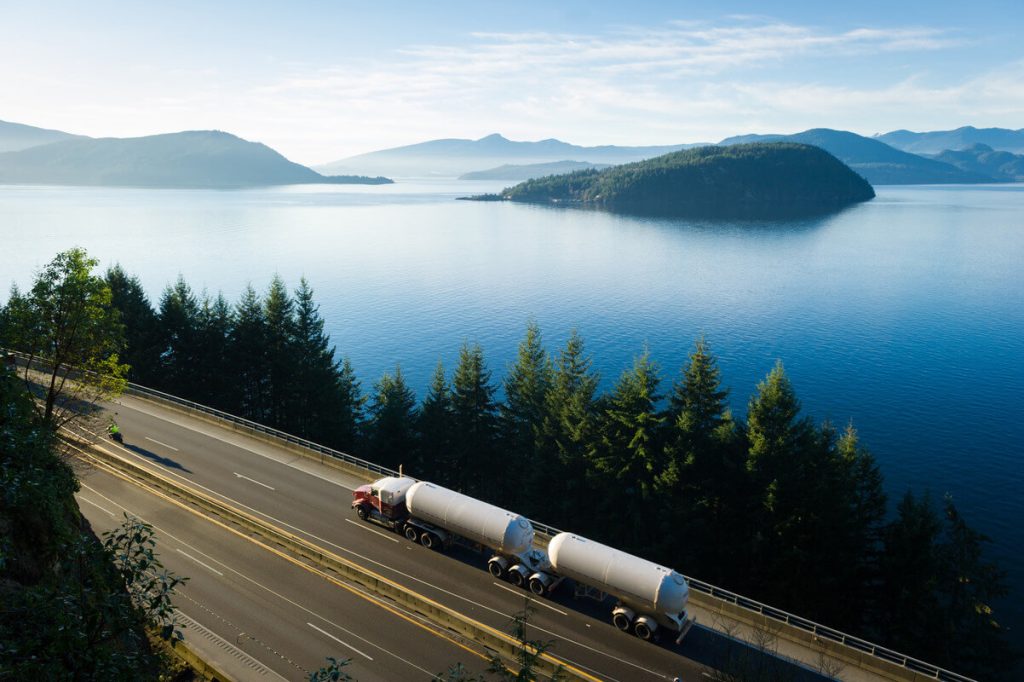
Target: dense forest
{"type": "Point", "coordinates": [774, 506]}
{"type": "Point", "coordinates": [761, 180]}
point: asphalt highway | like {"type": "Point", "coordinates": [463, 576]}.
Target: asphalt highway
{"type": "Point", "coordinates": [312, 500]}
{"type": "Point", "coordinates": [260, 615]}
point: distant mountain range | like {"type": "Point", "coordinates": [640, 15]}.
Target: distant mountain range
{"type": "Point", "coordinates": [938, 141]}
{"type": "Point", "coordinates": [980, 158]}
{"type": "Point", "coordinates": [456, 157]}
{"type": "Point", "coordinates": [879, 163]}
{"type": "Point", "coordinates": [756, 181]}
{"type": "Point", "coordinates": [30, 155]}
{"type": "Point", "coordinates": [17, 136]}
{"type": "Point", "coordinates": [188, 159]}
{"type": "Point", "coordinates": [517, 173]}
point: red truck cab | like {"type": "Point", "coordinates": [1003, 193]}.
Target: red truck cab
{"type": "Point", "coordinates": [382, 500]}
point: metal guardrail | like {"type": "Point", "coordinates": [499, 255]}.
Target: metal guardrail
{"type": "Point", "coordinates": [817, 629]}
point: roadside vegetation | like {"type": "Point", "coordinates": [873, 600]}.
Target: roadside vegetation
{"type": "Point", "coordinates": [773, 506]}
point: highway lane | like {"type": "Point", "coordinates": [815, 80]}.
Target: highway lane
{"type": "Point", "coordinates": [314, 501]}
{"type": "Point", "coordinates": [263, 615]}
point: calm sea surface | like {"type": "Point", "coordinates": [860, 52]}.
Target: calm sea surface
{"type": "Point", "coordinates": [905, 314]}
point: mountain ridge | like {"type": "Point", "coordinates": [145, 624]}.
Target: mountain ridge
{"type": "Point", "coordinates": [17, 136]}
{"type": "Point", "coordinates": [457, 156]}
{"type": "Point", "coordinates": [203, 158]}
{"type": "Point", "coordinates": [937, 141]}
{"type": "Point", "coordinates": [878, 162]}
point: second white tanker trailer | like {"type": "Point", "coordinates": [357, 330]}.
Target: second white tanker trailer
{"type": "Point", "coordinates": [650, 597]}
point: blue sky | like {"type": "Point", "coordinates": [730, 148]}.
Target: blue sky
{"type": "Point", "coordinates": [321, 81]}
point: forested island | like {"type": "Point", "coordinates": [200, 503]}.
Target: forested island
{"type": "Point", "coordinates": [759, 180]}
{"type": "Point", "coordinates": [773, 506]}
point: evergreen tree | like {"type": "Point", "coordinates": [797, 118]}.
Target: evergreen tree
{"type": "Point", "coordinates": [215, 323]}
{"type": "Point", "coordinates": [569, 430]}
{"type": "Point", "coordinates": [910, 568]}
{"type": "Point", "coordinates": [180, 354]}
{"type": "Point", "coordinates": [318, 406]}
{"type": "Point", "coordinates": [627, 457]}
{"type": "Point", "coordinates": [435, 429]}
{"type": "Point", "coordinates": [347, 424]}
{"type": "Point", "coordinates": [702, 483]}
{"type": "Point", "coordinates": [279, 311]}
{"type": "Point", "coordinates": [522, 416]}
{"type": "Point", "coordinates": [779, 462]}
{"type": "Point", "coordinates": [248, 343]}
{"type": "Point", "coordinates": [474, 426]}
{"type": "Point", "coordinates": [141, 333]}
{"type": "Point", "coordinates": [392, 421]}
{"type": "Point", "coordinates": [970, 585]}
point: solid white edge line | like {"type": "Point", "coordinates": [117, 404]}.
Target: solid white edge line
{"type": "Point", "coordinates": [253, 480]}
{"type": "Point", "coordinates": [383, 535]}
{"type": "Point", "coordinates": [327, 634]}
{"type": "Point", "coordinates": [537, 602]}
{"type": "Point", "coordinates": [85, 499]}
{"type": "Point", "coordinates": [154, 440]}
{"type": "Point", "coordinates": [207, 566]}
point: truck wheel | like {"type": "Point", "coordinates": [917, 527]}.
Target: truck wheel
{"type": "Point", "coordinates": [362, 513]}
{"type": "Point", "coordinates": [537, 587]}
{"type": "Point", "coordinates": [412, 533]}
{"type": "Point", "coordinates": [643, 631]}
{"type": "Point", "coordinates": [429, 540]}
{"type": "Point", "coordinates": [496, 569]}
{"type": "Point", "coordinates": [622, 621]}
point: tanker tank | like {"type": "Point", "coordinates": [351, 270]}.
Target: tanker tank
{"type": "Point", "coordinates": [503, 531]}
{"type": "Point", "coordinates": [640, 584]}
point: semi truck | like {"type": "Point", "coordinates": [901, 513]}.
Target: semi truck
{"type": "Point", "coordinates": [649, 598]}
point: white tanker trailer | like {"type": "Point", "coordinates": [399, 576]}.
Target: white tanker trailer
{"type": "Point", "coordinates": [649, 595]}
{"type": "Point", "coordinates": [437, 517]}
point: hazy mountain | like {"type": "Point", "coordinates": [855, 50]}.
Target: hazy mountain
{"type": "Point", "coordinates": [17, 136]}
{"type": "Point", "coordinates": [981, 158]}
{"type": "Point", "coordinates": [938, 141]}
{"type": "Point", "coordinates": [879, 163]}
{"type": "Point", "coordinates": [455, 157]}
{"type": "Point", "coordinates": [188, 159]}
{"type": "Point", "coordinates": [534, 170]}
{"type": "Point", "coordinates": [761, 180]}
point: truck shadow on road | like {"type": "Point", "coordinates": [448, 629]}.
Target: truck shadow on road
{"type": "Point", "coordinates": [162, 461]}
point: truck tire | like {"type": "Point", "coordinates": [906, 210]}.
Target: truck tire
{"type": "Point", "coordinates": [496, 569]}
{"type": "Point", "coordinates": [362, 513]}
{"type": "Point", "coordinates": [644, 629]}
{"type": "Point", "coordinates": [411, 533]}
{"type": "Point", "coordinates": [622, 621]}
{"type": "Point", "coordinates": [430, 541]}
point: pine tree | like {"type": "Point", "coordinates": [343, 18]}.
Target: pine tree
{"type": "Point", "coordinates": [318, 407]}
{"type": "Point", "coordinates": [474, 426]}
{"type": "Point", "coordinates": [779, 463]}
{"type": "Point", "coordinates": [347, 423]}
{"type": "Point", "coordinates": [521, 420]}
{"type": "Point", "coordinates": [216, 320]}
{"type": "Point", "coordinates": [142, 344]}
{"type": "Point", "coordinates": [180, 355]}
{"type": "Point", "coordinates": [392, 422]}
{"type": "Point", "coordinates": [279, 311]}
{"type": "Point", "coordinates": [628, 455]}
{"type": "Point", "coordinates": [568, 434]}
{"type": "Point", "coordinates": [249, 356]}
{"type": "Point", "coordinates": [435, 428]}
{"type": "Point", "coordinates": [702, 482]}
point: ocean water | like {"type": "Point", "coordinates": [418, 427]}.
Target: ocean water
{"type": "Point", "coordinates": [904, 315]}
